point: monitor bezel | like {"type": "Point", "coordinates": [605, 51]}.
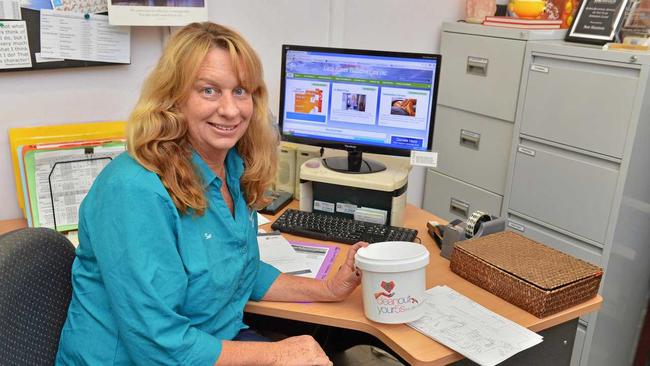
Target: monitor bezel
{"type": "Point", "coordinates": [384, 150]}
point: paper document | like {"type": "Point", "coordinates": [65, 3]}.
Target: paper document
{"type": "Point", "coordinates": [10, 9]}
{"type": "Point", "coordinates": [470, 329]}
{"type": "Point", "coordinates": [63, 177]}
{"type": "Point", "coordinates": [73, 236]}
{"type": "Point", "coordinates": [81, 6]}
{"type": "Point", "coordinates": [14, 47]}
{"type": "Point", "coordinates": [87, 37]}
{"type": "Point", "coordinates": [299, 259]}
{"type": "Point", "coordinates": [261, 220]}
{"type": "Point", "coordinates": [157, 13]}
{"type": "Point", "coordinates": [276, 251]}
{"type": "Point", "coordinates": [275, 247]}
{"type": "Point", "coordinates": [318, 258]}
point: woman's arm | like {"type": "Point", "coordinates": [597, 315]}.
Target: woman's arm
{"type": "Point", "coordinates": [294, 288]}
{"type": "Point", "coordinates": [298, 351]}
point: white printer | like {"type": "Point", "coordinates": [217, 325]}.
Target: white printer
{"type": "Point", "coordinates": [375, 197]}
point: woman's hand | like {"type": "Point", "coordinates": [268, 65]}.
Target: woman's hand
{"type": "Point", "coordinates": [301, 350]}
{"type": "Point", "coordinates": [348, 276]}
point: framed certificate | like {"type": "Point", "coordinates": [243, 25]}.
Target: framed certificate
{"type": "Point", "coordinates": [597, 21]}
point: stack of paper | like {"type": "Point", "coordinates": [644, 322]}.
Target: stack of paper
{"type": "Point", "coordinates": [58, 177]}
{"type": "Point", "coordinates": [56, 165]}
{"type": "Point", "coordinates": [470, 329]}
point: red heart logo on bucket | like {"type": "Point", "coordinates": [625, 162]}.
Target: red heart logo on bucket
{"type": "Point", "coordinates": [388, 286]}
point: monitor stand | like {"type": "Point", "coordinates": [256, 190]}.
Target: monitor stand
{"type": "Point", "coordinates": [353, 163]}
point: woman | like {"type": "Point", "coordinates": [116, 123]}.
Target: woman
{"type": "Point", "coordinates": [168, 252]}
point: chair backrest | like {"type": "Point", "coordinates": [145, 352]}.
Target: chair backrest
{"type": "Point", "coordinates": [35, 291]}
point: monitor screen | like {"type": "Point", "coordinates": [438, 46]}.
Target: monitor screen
{"type": "Point", "coordinates": [358, 100]}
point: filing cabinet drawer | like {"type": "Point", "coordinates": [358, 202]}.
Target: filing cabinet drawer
{"type": "Point", "coordinates": [592, 109]}
{"type": "Point", "coordinates": [472, 147]}
{"type": "Point", "coordinates": [555, 240]}
{"type": "Point", "coordinates": [481, 74]}
{"type": "Point", "coordinates": [571, 191]}
{"type": "Point", "coordinates": [450, 199]}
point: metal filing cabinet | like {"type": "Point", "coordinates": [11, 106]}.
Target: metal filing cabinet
{"type": "Point", "coordinates": [579, 180]}
{"type": "Point", "coordinates": [477, 103]}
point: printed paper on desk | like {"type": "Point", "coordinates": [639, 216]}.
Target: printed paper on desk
{"type": "Point", "coordinates": [317, 257]}
{"type": "Point", "coordinates": [276, 251]}
{"type": "Point", "coordinates": [470, 329]}
{"type": "Point", "coordinates": [275, 247]}
{"type": "Point", "coordinates": [261, 220]}
{"type": "Point", "coordinates": [86, 37]}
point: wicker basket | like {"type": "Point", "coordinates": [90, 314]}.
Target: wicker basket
{"type": "Point", "coordinates": [538, 279]}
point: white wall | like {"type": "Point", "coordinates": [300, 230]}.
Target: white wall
{"type": "Point", "coordinates": [109, 92]}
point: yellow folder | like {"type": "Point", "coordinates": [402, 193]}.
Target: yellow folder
{"type": "Point", "coordinates": [58, 133]}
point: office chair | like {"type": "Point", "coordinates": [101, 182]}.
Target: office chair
{"type": "Point", "coordinates": [35, 291]}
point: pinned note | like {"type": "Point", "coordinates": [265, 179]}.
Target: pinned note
{"type": "Point", "coordinates": [89, 37]}
{"type": "Point", "coordinates": [10, 9]}
{"type": "Point", "coordinates": [14, 48]}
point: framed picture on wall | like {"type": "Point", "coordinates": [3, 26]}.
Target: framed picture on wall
{"type": "Point", "coordinates": [597, 21]}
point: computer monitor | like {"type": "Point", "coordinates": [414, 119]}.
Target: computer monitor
{"type": "Point", "coordinates": [359, 101]}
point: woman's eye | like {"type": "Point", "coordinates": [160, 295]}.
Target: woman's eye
{"type": "Point", "coordinates": [209, 91]}
{"type": "Point", "coordinates": [239, 91]}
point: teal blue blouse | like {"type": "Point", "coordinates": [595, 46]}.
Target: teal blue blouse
{"type": "Point", "coordinates": [152, 286]}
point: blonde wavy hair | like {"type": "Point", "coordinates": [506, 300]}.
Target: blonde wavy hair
{"type": "Point", "coordinates": [157, 132]}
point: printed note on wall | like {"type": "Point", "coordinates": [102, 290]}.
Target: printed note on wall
{"type": "Point", "coordinates": [14, 48]}
{"type": "Point", "coordinates": [89, 37]}
{"type": "Point", "coordinates": [10, 9]}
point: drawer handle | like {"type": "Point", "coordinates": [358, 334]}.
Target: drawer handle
{"type": "Point", "coordinates": [477, 65]}
{"type": "Point", "coordinates": [525, 150]}
{"type": "Point", "coordinates": [458, 207]}
{"type": "Point", "coordinates": [470, 139]}
{"type": "Point", "coordinates": [517, 226]}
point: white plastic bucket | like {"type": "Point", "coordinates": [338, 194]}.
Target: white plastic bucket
{"type": "Point", "coordinates": [393, 281]}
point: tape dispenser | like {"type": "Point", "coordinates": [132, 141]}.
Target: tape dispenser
{"type": "Point", "coordinates": [477, 224]}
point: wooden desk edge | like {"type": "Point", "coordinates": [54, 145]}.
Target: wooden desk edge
{"type": "Point", "coordinates": [11, 225]}
{"type": "Point", "coordinates": [573, 312]}
{"type": "Point", "coordinates": [362, 326]}
{"type": "Point", "coordinates": [268, 309]}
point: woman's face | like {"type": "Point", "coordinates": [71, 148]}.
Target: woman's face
{"type": "Point", "coordinates": [218, 110]}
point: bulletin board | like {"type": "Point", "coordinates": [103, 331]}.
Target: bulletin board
{"type": "Point", "coordinates": [32, 19]}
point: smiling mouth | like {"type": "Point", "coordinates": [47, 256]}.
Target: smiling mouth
{"type": "Point", "coordinates": [225, 128]}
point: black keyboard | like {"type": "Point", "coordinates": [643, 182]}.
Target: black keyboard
{"type": "Point", "coordinates": [323, 226]}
